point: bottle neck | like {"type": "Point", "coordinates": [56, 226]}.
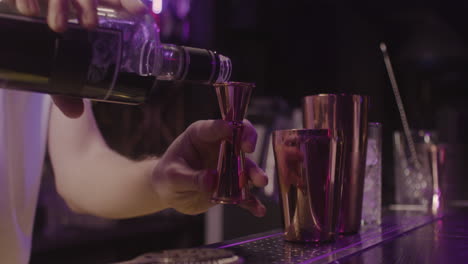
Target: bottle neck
{"type": "Point", "coordinates": [179, 63]}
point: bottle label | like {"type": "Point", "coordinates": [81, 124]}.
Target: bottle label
{"type": "Point", "coordinates": [201, 65]}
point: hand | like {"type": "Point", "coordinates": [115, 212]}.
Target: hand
{"type": "Point", "coordinates": [86, 10]}
{"type": "Point", "coordinates": [185, 176]}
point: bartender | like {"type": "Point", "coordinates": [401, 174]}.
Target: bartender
{"type": "Point", "coordinates": [92, 178]}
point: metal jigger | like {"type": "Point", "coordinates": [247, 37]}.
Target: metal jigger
{"type": "Point", "coordinates": [232, 186]}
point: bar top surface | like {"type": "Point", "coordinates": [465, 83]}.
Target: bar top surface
{"type": "Point", "coordinates": [402, 237]}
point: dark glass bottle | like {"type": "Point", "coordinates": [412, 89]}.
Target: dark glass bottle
{"type": "Point", "coordinates": [120, 61]}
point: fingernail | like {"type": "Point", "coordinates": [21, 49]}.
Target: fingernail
{"type": "Point", "coordinates": [59, 23]}
{"type": "Point", "coordinates": [250, 142]}
{"type": "Point", "coordinates": [260, 171]}
{"type": "Point", "coordinates": [248, 147]}
{"type": "Point", "coordinates": [33, 7]}
{"type": "Point", "coordinates": [263, 178]}
{"type": "Point", "coordinates": [89, 20]}
{"type": "Point", "coordinates": [28, 8]}
{"type": "Point", "coordinates": [260, 211]}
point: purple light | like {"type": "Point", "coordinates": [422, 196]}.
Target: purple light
{"type": "Point", "coordinates": [157, 6]}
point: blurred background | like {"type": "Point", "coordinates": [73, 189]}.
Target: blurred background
{"type": "Point", "coordinates": [289, 49]}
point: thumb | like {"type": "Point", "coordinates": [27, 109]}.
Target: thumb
{"type": "Point", "coordinates": [209, 131]}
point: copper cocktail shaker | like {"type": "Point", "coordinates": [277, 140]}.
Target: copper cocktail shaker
{"type": "Point", "coordinates": [310, 188]}
{"type": "Point", "coordinates": [347, 116]}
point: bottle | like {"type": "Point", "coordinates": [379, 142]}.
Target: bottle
{"type": "Point", "coordinates": [120, 61]}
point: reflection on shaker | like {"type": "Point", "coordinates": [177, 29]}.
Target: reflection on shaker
{"type": "Point", "coordinates": [306, 166]}
{"type": "Point", "coordinates": [346, 116]}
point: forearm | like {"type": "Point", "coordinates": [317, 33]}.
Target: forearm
{"type": "Point", "coordinates": [94, 179]}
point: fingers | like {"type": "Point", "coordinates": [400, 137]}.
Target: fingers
{"type": "Point", "coordinates": [205, 132]}
{"type": "Point", "coordinates": [256, 174]}
{"type": "Point", "coordinates": [184, 189]}
{"type": "Point", "coordinates": [71, 107]}
{"type": "Point", "coordinates": [134, 6]}
{"type": "Point", "coordinates": [259, 179]}
{"type": "Point", "coordinates": [212, 131]}
{"type": "Point", "coordinates": [28, 7]}
{"type": "Point", "coordinates": [185, 179]}
{"type": "Point", "coordinates": [249, 137]}
{"type": "Point", "coordinates": [58, 11]}
{"type": "Point", "coordinates": [57, 15]}
{"type": "Point", "coordinates": [87, 13]}
{"type": "Point", "coordinates": [254, 206]}
{"type": "Point", "coordinates": [209, 131]}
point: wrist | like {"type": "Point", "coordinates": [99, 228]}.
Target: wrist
{"type": "Point", "coordinates": [154, 176]}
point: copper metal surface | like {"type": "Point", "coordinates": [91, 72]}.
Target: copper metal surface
{"type": "Point", "coordinates": [305, 162]}
{"type": "Point", "coordinates": [232, 186]}
{"type": "Point", "coordinates": [346, 116]}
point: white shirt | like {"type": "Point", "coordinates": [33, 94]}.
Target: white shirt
{"type": "Point", "coordinates": [24, 121]}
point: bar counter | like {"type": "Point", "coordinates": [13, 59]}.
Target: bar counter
{"type": "Point", "coordinates": [402, 237]}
